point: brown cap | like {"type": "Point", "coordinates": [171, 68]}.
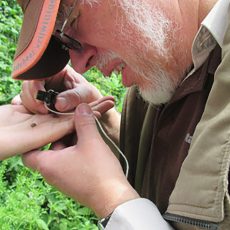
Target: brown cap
{"type": "Point", "coordinates": [39, 54]}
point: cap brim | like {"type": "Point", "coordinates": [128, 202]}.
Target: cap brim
{"type": "Point", "coordinates": [39, 54]}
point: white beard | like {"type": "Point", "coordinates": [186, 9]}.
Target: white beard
{"type": "Point", "coordinates": [153, 29]}
{"type": "Point", "coordinates": [159, 90]}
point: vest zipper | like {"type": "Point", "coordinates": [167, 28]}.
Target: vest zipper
{"type": "Point", "coordinates": [194, 222]}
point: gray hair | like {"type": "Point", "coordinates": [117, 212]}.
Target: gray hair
{"type": "Point", "coordinates": [65, 9]}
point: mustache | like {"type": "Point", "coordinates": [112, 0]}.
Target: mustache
{"type": "Point", "coordinates": [105, 58]}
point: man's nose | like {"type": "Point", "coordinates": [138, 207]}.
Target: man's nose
{"type": "Point", "coordinates": [83, 60]}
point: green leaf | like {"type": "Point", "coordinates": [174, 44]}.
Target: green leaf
{"type": "Point", "coordinates": [41, 224]}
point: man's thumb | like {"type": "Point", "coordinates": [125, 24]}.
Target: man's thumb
{"type": "Point", "coordinates": [68, 100]}
{"type": "Point", "coordinates": [85, 123]}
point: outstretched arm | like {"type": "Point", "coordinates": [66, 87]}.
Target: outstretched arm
{"type": "Point", "coordinates": [21, 131]}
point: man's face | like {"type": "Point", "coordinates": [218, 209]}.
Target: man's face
{"type": "Point", "coordinates": [130, 37]}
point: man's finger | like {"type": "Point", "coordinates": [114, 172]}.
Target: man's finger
{"type": "Point", "coordinates": [103, 106]}
{"type": "Point", "coordinates": [105, 98]}
{"type": "Point", "coordinates": [41, 161]}
{"type": "Point", "coordinates": [85, 124]}
{"type": "Point", "coordinates": [31, 159]}
{"type": "Point", "coordinates": [68, 99]}
{"type": "Point", "coordinates": [16, 100]}
{"type": "Point", "coordinates": [28, 96]}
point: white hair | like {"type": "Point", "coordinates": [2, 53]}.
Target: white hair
{"type": "Point", "coordinates": [89, 2]}
{"type": "Point", "coordinates": [153, 29]}
{"type": "Point", "coordinates": [150, 22]}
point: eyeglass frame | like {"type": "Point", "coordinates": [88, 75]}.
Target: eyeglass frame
{"type": "Point", "coordinates": [67, 41]}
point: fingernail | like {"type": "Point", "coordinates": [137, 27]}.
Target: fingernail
{"type": "Point", "coordinates": [61, 103]}
{"type": "Point", "coordinates": [84, 109]}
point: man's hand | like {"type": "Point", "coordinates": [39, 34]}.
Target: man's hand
{"type": "Point", "coordinates": [73, 89]}
{"type": "Point", "coordinates": [88, 171]}
{"type": "Point", "coordinates": [21, 131]}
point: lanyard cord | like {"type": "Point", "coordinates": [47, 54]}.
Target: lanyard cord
{"type": "Point", "coordinates": [106, 138]}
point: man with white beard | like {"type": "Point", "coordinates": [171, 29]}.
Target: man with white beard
{"type": "Point", "coordinates": [168, 52]}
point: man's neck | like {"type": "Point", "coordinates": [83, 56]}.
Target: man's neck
{"type": "Point", "coordinates": [205, 7]}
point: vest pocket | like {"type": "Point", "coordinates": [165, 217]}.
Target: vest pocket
{"type": "Point", "coordinates": [201, 191]}
{"type": "Point", "coordinates": [180, 222]}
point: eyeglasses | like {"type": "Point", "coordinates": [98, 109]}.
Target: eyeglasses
{"type": "Point", "coordinates": [67, 41]}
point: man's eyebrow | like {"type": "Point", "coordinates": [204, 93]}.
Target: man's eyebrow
{"type": "Point", "coordinates": [74, 19]}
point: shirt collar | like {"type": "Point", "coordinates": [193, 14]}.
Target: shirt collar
{"type": "Point", "coordinates": [217, 21]}
{"type": "Point", "coordinates": [211, 32]}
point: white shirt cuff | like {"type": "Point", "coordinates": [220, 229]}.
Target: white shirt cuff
{"type": "Point", "coordinates": [135, 215]}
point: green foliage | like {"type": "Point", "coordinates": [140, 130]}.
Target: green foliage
{"type": "Point", "coordinates": [26, 201]}
{"type": "Point", "coordinates": [108, 86]}
{"type": "Point", "coordinates": [10, 23]}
